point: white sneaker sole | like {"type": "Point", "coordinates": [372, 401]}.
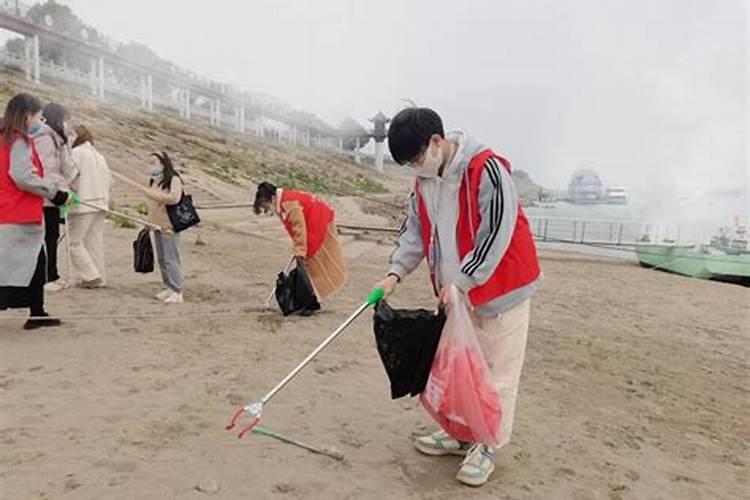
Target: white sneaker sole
{"type": "Point", "coordinates": [475, 481]}
{"type": "Point", "coordinates": [437, 452]}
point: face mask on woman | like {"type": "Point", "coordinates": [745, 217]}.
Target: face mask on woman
{"type": "Point", "coordinates": [35, 127]}
{"type": "Point", "coordinates": [156, 170]}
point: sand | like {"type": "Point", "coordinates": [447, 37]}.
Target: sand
{"type": "Point", "coordinates": [635, 386]}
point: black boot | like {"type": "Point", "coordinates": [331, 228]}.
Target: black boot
{"type": "Point", "coordinates": [41, 322]}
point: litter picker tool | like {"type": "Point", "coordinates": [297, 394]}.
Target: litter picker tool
{"type": "Point", "coordinates": [329, 452]}
{"type": "Point", "coordinates": [267, 303]}
{"type": "Point", "coordinates": [120, 214]}
{"type": "Point", "coordinates": [254, 410]}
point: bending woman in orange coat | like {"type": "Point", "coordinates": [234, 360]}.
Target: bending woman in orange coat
{"type": "Point", "coordinates": [311, 225]}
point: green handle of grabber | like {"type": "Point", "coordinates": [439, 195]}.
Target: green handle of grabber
{"type": "Point", "coordinates": [75, 200]}
{"type": "Point", "coordinates": [375, 296]}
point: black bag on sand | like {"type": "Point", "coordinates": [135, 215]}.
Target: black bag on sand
{"type": "Point", "coordinates": [295, 293]}
{"type": "Point", "coordinates": [143, 252]}
{"type": "Point", "coordinates": [407, 340]}
{"type": "Point", "coordinates": [183, 215]}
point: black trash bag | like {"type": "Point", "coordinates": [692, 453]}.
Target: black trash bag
{"type": "Point", "coordinates": [407, 340]}
{"type": "Point", "coordinates": [143, 253]}
{"type": "Point", "coordinates": [295, 293]}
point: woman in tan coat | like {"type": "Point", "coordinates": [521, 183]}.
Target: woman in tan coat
{"type": "Point", "coordinates": [164, 189]}
{"type": "Point", "coordinates": [311, 225]}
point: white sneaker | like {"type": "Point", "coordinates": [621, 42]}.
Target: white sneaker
{"type": "Point", "coordinates": [174, 298]}
{"type": "Point", "coordinates": [478, 465]}
{"type": "Point", "coordinates": [55, 286]}
{"type": "Point", "coordinates": [440, 443]}
{"type": "Point", "coordinates": [163, 294]}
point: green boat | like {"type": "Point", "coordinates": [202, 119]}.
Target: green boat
{"type": "Point", "coordinates": [697, 261]}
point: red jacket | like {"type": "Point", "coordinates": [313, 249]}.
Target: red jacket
{"type": "Point", "coordinates": [317, 214]}
{"type": "Point", "coordinates": [16, 205]}
{"type": "Point", "coordinates": [519, 265]}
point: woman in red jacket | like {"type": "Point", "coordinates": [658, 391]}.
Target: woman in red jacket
{"type": "Point", "coordinates": [310, 223]}
{"type": "Point", "coordinates": [23, 189]}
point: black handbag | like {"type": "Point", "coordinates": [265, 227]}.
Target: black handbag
{"type": "Point", "coordinates": [407, 340]}
{"type": "Point", "coordinates": [183, 215]}
{"type": "Point", "coordinates": [143, 253]}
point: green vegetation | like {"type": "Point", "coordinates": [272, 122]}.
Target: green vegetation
{"type": "Point", "coordinates": [121, 222]}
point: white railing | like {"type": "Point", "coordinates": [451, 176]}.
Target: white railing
{"type": "Point", "coordinates": [267, 104]}
{"type": "Point", "coordinates": [604, 232]}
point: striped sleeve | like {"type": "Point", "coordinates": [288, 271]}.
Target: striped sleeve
{"type": "Point", "coordinates": [409, 251]}
{"type": "Point", "coordinates": [498, 210]}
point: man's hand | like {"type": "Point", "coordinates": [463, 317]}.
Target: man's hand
{"type": "Point", "coordinates": [388, 284]}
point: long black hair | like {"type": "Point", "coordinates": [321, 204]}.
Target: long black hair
{"type": "Point", "coordinates": [265, 193]}
{"type": "Point", "coordinates": [168, 172]}
{"type": "Point", "coordinates": [16, 113]}
{"type": "Point", "coordinates": [55, 115]}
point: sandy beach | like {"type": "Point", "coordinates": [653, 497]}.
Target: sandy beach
{"type": "Point", "coordinates": [635, 386]}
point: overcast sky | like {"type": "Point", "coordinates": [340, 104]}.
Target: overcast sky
{"type": "Point", "coordinates": [648, 93]}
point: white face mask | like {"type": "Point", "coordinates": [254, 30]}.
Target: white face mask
{"type": "Point", "coordinates": [431, 164]}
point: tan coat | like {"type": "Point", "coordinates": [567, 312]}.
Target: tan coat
{"type": "Point", "coordinates": [158, 199]}
{"type": "Point", "coordinates": [327, 268]}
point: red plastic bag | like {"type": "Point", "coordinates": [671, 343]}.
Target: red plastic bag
{"type": "Point", "coordinates": [459, 394]}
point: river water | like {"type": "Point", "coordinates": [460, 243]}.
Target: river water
{"type": "Point", "coordinates": [688, 220]}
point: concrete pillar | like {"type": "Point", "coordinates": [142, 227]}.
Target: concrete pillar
{"type": "Point", "coordinates": [101, 78]}
{"type": "Point", "coordinates": [27, 63]}
{"type": "Point", "coordinates": [149, 93]}
{"type": "Point", "coordinates": [307, 138]}
{"type": "Point", "coordinates": [142, 91]}
{"type": "Point", "coordinates": [357, 158]}
{"type": "Point", "coordinates": [341, 144]}
{"type": "Point", "coordinates": [242, 119]}
{"type": "Point", "coordinates": [237, 119]}
{"type": "Point", "coordinates": [187, 103]}
{"type": "Point", "coordinates": [37, 61]}
{"type": "Point", "coordinates": [93, 77]}
{"type": "Point", "coordinates": [261, 122]}
{"type": "Point", "coordinates": [379, 153]}
{"type": "Point", "coordinates": [294, 136]}
{"type": "Point", "coordinates": [218, 113]}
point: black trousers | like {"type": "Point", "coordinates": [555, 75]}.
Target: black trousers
{"type": "Point", "coordinates": [31, 296]}
{"type": "Point", "coordinates": [51, 235]}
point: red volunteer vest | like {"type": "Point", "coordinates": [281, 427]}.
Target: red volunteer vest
{"type": "Point", "coordinates": [318, 215]}
{"type": "Point", "coordinates": [18, 206]}
{"type": "Point", "coordinates": [518, 267]}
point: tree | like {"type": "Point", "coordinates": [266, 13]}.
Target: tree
{"type": "Point", "coordinates": [15, 46]}
{"type": "Point", "coordinates": [62, 19]}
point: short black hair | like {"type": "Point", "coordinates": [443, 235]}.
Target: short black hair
{"type": "Point", "coordinates": [266, 191]}
{"type": "Point", "coordinates": [410, 132]}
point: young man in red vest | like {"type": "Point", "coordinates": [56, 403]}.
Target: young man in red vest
{"type": "Point", "coordinates": [465, 220]}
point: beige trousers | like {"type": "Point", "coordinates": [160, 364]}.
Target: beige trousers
{"type": "Point", "coordinates": [503, 342]}
{"type": "Point", "coordinates": [87, 245]}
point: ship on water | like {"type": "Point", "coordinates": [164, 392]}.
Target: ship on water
{"type": "Point", "coordinates": [726, 258]}
{"type": "Point", "coordinates": [587, 188]}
